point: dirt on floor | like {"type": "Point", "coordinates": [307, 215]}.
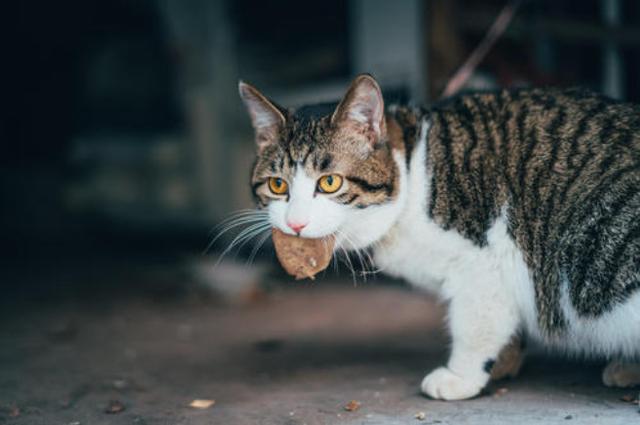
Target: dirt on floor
{"type": "Point", "coordinates": [302, 353]}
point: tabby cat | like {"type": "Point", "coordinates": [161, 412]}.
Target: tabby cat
{"type": "Point", "coordinates": [520, 208]}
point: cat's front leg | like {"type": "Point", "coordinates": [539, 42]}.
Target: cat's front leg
{"type": "Point", "coordinates": [483, 318]}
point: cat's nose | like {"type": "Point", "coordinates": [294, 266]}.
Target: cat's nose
{"type": "Point", "coordinates": [296, 227]}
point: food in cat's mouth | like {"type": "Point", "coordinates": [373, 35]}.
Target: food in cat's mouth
{"type": "Point", "coordinates": [302, 257]}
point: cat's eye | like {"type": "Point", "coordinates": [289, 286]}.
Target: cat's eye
{"type": "Point", "coordinates": [329, 183]}
{"type": "Point", "coordinates": [278, 186]}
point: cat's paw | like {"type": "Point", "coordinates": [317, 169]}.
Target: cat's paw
{"type": "Point", "coordinates": [443, 384]}
{"type": "Point", "coordinates": [621, 375]}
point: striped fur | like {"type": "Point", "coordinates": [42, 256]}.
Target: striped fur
{"type": "Point", "coordinates": [566, 163]}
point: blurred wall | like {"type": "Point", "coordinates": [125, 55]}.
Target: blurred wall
{"type": "Point", "coordinates": [122, 118]}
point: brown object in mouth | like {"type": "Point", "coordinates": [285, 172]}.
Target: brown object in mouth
{"type": "Point", "coordinates": [302, 257]}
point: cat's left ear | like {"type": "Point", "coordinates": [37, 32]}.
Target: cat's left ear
{"type": "Point", "coordinates": [266, 118]}
{"type": "Point", "coordinates": [362, 109]}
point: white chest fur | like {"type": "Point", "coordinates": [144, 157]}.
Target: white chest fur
{"type": "Point", "coordinates": [416, 248]}
{"type": "Point", "coordinates": [444, 262]}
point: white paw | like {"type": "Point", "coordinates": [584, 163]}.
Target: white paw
{"type": "Point", "coordinates": [621, 375]}
{"type": "Point", "coordinates": [443, 384]}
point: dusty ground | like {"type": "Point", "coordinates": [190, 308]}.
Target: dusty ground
{"type": "Point", "coordinates": [294, 356]}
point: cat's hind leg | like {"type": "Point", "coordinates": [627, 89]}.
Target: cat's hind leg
{"type": "Point", "coordinates": [509, 361]}
{"type": "Point", "coordinates": [622, 375]}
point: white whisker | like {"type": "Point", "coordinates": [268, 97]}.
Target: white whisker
{"type": "Point", "coordinates": [257, 246]}
{"type": "Point", "coordinates": [364, 257]}
{"type": "Point", "coordinates": [243, 237]}
{"type": "Point", "coordinates": [347, 259]}
{"type": "Point", "coordinates": [235, 221]}
{"type": "Point", "coordinates": [237, 215]}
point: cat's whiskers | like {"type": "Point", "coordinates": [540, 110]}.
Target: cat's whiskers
{"type": "Point", "coordinates": [345, 251]}
{"type": "Point", "coordinates": [366, 262]}
{"type": "Point", "coordinates": [257, 246]}
{"type": "Point", "coordinates": [257, 222]}
{"type": "Point", "coordinates": [237, 219]}
{"type": "Point", "coordinates": [375, 267]}
{"type": "Point", "coordinates": [334, 259]}
{"type": "Point", "coordinates": [371, 266]}
{"type": "Point", "coordinates": [364, 256]}
{"type": "Point", "coordinates": [345, 254]}
{"type": "Point", "coordinates": [237, 214]}
{"type": "Point", "coordinates": [363, 265]}
{"type": "Point", "coordinates": [243, 237]}
{"type": "Point", "coordinates": [324, 240]}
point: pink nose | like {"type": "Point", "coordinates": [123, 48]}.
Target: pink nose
{"type": "Point", "coordinates": [297, 227]}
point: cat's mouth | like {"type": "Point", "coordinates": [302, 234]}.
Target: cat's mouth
{"type": "Point", "coordinates": [302, 257]}
{"type": "Point", "coordinates": [308, 232]}
{"type": "Point", "coordinates": [308, 236]}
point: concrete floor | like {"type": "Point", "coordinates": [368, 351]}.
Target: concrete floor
{"type": "Point", "coordinates": [296, 355]}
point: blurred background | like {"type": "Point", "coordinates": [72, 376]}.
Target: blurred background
{"type": "Point", "coordinates": [123, 134]}
{"type": "Point", "coordinates": [124, 141]}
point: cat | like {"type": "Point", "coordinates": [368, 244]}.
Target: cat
{"type": "Point", "coordinates": [520, 208]}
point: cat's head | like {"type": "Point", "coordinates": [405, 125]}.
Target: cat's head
{"type": "Point", "coordinates": [333, 172]}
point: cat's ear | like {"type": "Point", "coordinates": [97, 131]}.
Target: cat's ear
{"type": "Point", "coordinates": [362, 108]}
{"type": "Point", "coordinates": [267, 119]}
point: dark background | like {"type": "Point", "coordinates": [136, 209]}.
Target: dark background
{"type": "Point", "coordinates": [124, 143]}
{"type": "Point", "coordinates": [120, 124]}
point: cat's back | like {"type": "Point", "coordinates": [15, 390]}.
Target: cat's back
{"type": "Point", "coordinates": [515, 147]}
{"type": "Point", "coordinates": [574, 172]}
{"type": "Point", "coordinates": [565, 165]}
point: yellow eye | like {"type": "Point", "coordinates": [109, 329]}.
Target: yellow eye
{"type": "Point", "coordinates": [278, 186]}
{"type": "Point", "coordinates": [330, 183]}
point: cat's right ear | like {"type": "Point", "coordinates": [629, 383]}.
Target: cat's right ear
{"type": "Point", "coordinates": [362, 109]}
{"type": "Point", "coordinates": [266, 118]}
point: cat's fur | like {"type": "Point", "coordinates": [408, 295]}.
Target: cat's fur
{"type": "Point", "coordinates": [520, 208]}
